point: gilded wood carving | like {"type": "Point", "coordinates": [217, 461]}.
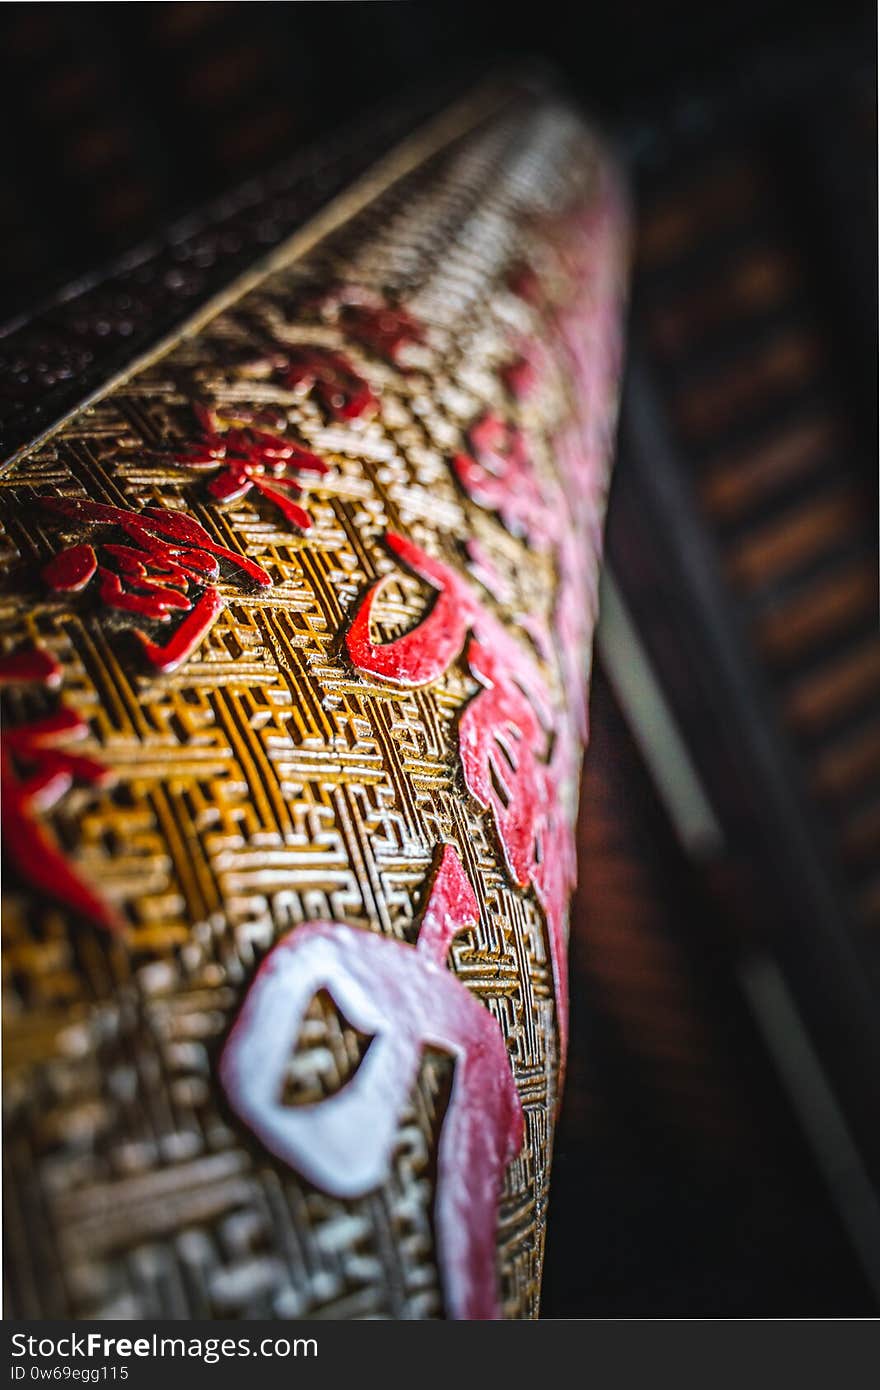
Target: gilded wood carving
{"type": "Point", "coordinates": [296, 624]}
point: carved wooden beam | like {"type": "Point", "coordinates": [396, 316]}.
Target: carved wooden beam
{"type": "Point", "coordinates": [296, 624]}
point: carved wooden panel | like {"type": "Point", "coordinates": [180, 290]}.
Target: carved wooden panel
{"type": "Point", "coordinates": [296, 626]}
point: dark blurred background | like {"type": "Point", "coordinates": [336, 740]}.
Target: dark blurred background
{"type": "Point", "coordinates": [719, 1147]}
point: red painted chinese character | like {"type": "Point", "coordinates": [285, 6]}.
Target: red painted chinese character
{"type": "Point", "coordinates": [504, 731]}
{"type": "Point", "coordinates": [520, 377]}
{"type": "Point", "coordinates": [502, 746]}
{"type": "Point", "coordinates": [405, 998]}
{"type": "Point", "coordinates": [523, 281]}
{"type": "Point", "coordinates": [249, 457]}
{"type": "Point", "coordinates": [382, 328]}
{"type": "Point", "coordinates": [152, 576]}
{"type": "Point", "coordinates": [499, 474]}
{"type": "Point", "coordinates": [528, 370]}
{"type": "Point", "coordinates": [35, 773]}
{"type": "Point", "coordinates": [423, 654]}
{"type": "Point", "coordinates": [341, 391]}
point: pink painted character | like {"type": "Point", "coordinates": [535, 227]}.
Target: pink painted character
{"type": "Point", "coordinates": [405, 997]}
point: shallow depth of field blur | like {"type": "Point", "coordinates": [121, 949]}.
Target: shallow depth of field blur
{"type": "Point", "coordinates": [719, 1146]}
